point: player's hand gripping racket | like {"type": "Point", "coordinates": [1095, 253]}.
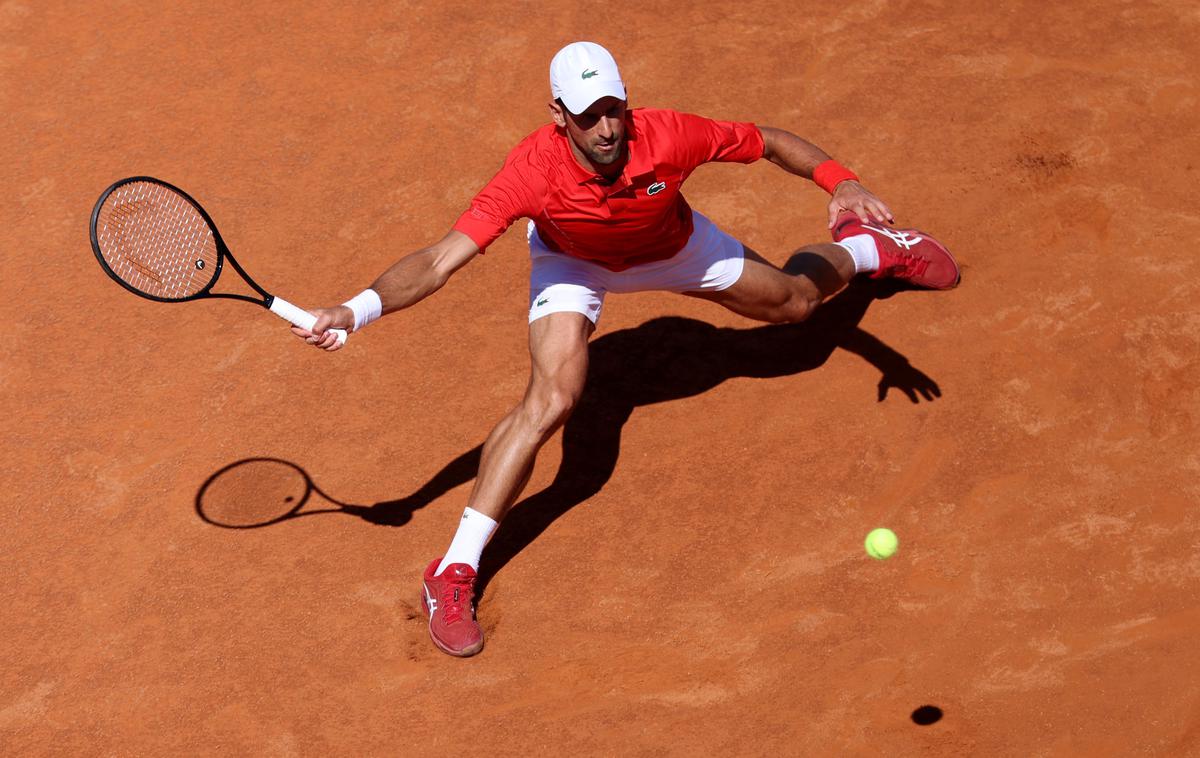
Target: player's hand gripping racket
{"type": "Point", "coordinates": [157, 242]}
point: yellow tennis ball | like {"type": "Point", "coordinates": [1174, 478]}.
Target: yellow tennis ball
{"type": "Point", "coordinates": [881, 543]}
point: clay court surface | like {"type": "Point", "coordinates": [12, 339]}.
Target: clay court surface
{"type": "Point", "coordinates": [685, 573]}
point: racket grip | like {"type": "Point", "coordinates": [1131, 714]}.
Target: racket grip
{"type": "Point", "coordinates": [300, 317]}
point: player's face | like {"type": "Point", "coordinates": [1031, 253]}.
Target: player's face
{"type": "Point", "coordinates": [598, 132]}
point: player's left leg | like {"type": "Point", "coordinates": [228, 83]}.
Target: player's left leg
{"type": "Point", "coordinates": [766, 293]}
{"type": "Point", "coordinates": [741, 280]}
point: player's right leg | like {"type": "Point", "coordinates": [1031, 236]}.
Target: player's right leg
{"type": "Point", "coordinates": [563, 307]}
{"type": "Point", "coordinates": [558, 346]}
{"type": "Point", "coordinates": [565, 298]}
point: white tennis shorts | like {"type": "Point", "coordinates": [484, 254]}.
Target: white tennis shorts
{"type": "Point", "coordinates": [711, 260]}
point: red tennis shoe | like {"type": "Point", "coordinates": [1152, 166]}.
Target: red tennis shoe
{"type": "Point", "coordinates": [449, 601]}
{"type": "Point", "coordinates": [905, 254]}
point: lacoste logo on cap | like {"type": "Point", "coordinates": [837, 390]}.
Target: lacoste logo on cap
{"type": "Point", "coordinates": [590, 74]}
{"type": "Point", "coordinates": [543, 301]}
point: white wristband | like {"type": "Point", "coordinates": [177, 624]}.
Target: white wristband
{"type": "Point", "coordinates": [366, 306]}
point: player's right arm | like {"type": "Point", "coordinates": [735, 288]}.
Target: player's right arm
{"type": "Point", "coordinates": [516, 191]}
{"type": "Point", "coordinates": [418, 275]}
{"type": "Point", "coordinates": [407, 282]}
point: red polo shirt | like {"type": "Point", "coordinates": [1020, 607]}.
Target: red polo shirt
{"type": "Point", "coordinates": [642, 217]}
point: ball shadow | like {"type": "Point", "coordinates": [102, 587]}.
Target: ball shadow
{"type": "Point", "coordinates": [926, 715]}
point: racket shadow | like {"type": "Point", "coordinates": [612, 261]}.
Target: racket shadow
{"type": "Point", "coordinates": [256, 492]}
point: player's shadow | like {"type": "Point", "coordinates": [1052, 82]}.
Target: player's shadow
{"type": "Point", "coordinates": [670, 358]}
{"type": "Point", "coordinates": [663, 359]}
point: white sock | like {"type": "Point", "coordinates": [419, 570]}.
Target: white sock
{"type": "Point", "coordinates": [863, 250]}
{"type": "Point", "coordinates": [473, 532]}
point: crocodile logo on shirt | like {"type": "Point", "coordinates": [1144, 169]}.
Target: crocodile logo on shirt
{"type": "Point", "coordinates": [590, 74]}
{"type": "Point", "coordinates": [656, 188]}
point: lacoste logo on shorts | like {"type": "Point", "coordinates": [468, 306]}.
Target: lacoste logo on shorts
{"type": "Point", "coordinates": [656, 188]}
{"type": "Point", "coordinates": [590, 74]}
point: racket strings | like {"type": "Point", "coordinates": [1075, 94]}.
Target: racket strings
{"type": "Point", "coordinates": [156, 241]}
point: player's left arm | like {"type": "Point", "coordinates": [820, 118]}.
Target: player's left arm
{"type": "Point", "coordinates": [801, 157]}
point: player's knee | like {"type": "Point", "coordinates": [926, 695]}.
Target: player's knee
{"type": "Point", "coordinates": [550, 407]}
{"type": "Point", "coordinates": [793, 311]}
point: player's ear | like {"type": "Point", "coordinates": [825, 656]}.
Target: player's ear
{"type": "Point", "coordinates": [556, 113]}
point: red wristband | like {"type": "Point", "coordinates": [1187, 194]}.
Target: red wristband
{"type": "Point", "coordinates": [830, 174]}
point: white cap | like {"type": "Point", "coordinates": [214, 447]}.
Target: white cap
{"type": "Point", "coordinates": [582, 73]}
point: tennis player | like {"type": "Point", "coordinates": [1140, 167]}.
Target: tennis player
{"type": "Point", "coordinates": [601, 186]}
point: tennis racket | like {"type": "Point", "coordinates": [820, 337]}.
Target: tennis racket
{"type": "Point", "coordinates": [157, 242]}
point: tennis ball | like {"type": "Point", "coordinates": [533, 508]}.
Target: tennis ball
{"type": "Point", "coordinates": [881, 543]}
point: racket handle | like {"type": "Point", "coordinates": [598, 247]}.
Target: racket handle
{"type": "Point", "coordinates": [300, 317]}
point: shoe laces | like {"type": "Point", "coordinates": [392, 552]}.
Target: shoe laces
{"type": "Point", "coordinates": [456, 595]}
